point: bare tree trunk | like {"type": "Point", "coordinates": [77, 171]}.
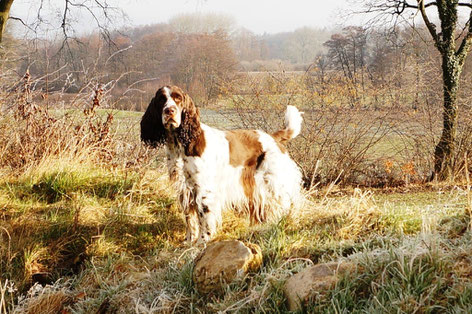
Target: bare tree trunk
{"type": "Point", "coordinates": [5, 6]}
{"type": "Point", "coordinates": [453, 59]}
{"type": "Point", "coordinates": [445, 149]}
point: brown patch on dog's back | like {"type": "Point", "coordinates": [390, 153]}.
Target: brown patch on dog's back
{"type": "Point", "coordinates": [245, 150]}
{"type": "Point", "coordinates": [244, 147]}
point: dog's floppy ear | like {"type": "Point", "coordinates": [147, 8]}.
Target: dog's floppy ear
{"type": "Point", "coordinates": [152, 130]}
{"type": "Point", "coordinates": [190, 134]}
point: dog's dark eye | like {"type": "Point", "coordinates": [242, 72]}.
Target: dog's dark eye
{"type": "Point", "coordinates": [176, 97]}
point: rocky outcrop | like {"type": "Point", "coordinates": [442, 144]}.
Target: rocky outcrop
{"type": "Point", "coordinates": [223, 262]}
{"type": "Point", "coordinates": [313, 280]}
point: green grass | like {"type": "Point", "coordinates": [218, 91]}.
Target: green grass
{"type": "Point", "coordinates": [54, 185]}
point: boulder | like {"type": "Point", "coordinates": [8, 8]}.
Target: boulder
{"type": "Point", "coordinates": [224, 261]}
{"type": "Point", "coordinates": [313, 280]}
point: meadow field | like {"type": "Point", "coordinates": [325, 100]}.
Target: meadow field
{"type": "Point", "coordinates": [89, 222]}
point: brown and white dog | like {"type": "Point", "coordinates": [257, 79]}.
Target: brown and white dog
{"type": "Point", "coordinates": [246, 170]}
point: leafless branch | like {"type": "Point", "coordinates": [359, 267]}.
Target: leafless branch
{"type": "Point", "coordinates": [64, 18]}
{"type": "Point", "coordinates": [21, 21]}
{"type": "Point", "coordinates": [117, 52]}
{"type": "Point", "coordinates": [466, 42]}
{"type": "Point", "coordinates": [431, 27]}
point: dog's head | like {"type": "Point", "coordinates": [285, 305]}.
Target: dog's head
{"type": "Point", "coordinates": [171, 111]}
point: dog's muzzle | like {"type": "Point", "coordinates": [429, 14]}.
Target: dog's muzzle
{"type": "Point", "coordinates": [170, 117]}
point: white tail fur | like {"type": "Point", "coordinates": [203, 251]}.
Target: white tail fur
{"type": "Point", "coordinates": [293, 121]}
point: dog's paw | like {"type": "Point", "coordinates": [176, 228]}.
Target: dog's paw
{"type": "Point", "coordinates": [203, 239]}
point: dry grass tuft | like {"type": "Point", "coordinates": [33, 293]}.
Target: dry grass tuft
{"type": "Point", "coordinates": [49, 299]}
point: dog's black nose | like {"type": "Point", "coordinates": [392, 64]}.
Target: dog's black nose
{"type": "Point", "coordinates": [170, 110]}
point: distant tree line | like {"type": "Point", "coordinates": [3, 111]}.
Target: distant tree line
{"type": "Point", "coordinates": [203, 53]}
{"type": "Point", "coordinates": [199, 52]}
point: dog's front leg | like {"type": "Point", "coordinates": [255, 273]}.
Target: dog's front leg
{"type": "Point", "coordinates": [209, 216]}
{"type": "Point", "coordinates": [189, 209]}
{"type": "Point", "coordinates": [191, 218]}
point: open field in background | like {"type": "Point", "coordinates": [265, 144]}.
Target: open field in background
{"type": "Point", "coordinates": [89, 222]}
{"type": "Point", "coordinates": [386, 147]}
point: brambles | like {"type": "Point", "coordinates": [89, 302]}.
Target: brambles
{"type": "Point", "coordinates": [95, 132]}
{"type": "Point", "coordinates": [343, 140]}
{"type": "Point", "coordinates": [32, 132]}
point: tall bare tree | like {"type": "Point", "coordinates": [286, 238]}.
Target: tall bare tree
{"type": "Point", "coordinates": [5, 6]}
{"type": "Point", "coordinates": [453, 44]}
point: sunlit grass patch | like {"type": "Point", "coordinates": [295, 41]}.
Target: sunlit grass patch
{"type": "Point", "coordinates": [121, 246]}
{"type": "Point", "coordinates": [62, 182]}
{"type": "Point", "coordinates": [102, 246]}
{"type": "Point", "coordinates": [53, 216]}
{"type": "Point", "coordinates": [411, 212]}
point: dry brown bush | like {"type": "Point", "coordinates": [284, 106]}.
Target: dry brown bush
{"type": "Point", "coordinates": [32, 132]}
{"type": "Point", "coordinates": [370, 135]}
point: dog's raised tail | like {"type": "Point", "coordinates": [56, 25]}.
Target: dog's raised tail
{"type": "Point", "coordinates": [293, 125]}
